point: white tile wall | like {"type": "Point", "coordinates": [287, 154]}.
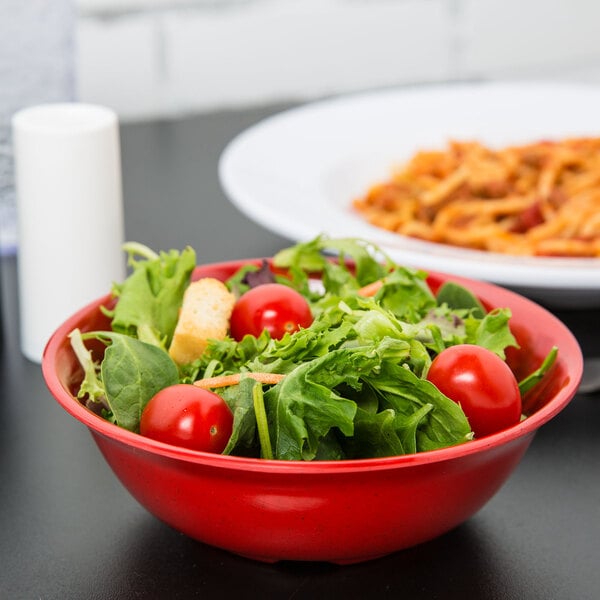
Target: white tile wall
{"type": "Point", "coordinates": [118, 64]}
{"type": "Point", "coordinates": [501, 37]}
{"type": "Point", "coordinates": [301, 49]}
{"type": "Point", "coordinates": [164, 57]}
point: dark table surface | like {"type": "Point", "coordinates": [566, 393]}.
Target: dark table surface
{"type": "Point", "coordinates": [68, 529]}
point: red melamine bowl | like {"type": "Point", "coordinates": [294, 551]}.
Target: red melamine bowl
{"type": "Point", "coordinates": [341, 512]}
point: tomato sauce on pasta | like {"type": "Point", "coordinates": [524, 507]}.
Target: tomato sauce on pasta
{"type": "Point", "coordinates": [537, 199]}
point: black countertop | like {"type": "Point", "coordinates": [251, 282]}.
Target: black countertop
{"type": "Point", "coordinates": [70, 530]}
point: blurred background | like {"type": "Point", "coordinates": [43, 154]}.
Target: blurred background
{"type": "Point", "coordinates": [161, 59]}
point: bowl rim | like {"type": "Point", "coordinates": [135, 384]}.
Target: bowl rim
{"type": "Point", "coordinates": [502, 297]}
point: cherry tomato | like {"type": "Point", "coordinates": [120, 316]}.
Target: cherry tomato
{"type": "Point", "coordinates": [482, 383]}
{"type": "Point", "coordinates": [188, 416]}
{"type": "Point", "coordinates": [272, 306]}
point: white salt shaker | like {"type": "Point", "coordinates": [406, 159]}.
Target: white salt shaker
{"type": "Point", "coordinates": [69, 214]}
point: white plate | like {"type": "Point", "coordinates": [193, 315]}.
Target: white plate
{"type": "Point", "coordinates": [297, 172]}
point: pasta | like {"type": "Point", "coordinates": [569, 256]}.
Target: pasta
{"type": "Point", "coordinates": [537, 199]}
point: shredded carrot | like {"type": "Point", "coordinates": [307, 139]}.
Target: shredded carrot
{"type": "Point", "coordinates": [371, 288]}
{"type": "Point", "coordinates": [227, 380]}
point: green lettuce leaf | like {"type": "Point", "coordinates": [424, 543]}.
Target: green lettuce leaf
{"type": "Point", "coordinates": [150, 298]}
{"type": "Point", "coordinates": [132, 373]}
{"type": "Point", "coordinates": [305, 406]}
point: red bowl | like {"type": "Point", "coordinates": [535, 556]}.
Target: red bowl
{"type": "Point", "coordinates": [336, 511]}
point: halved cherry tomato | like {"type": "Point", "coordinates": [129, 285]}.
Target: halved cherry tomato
{"type": "Point", "coordinates": [272, 306]}
{"type": "Point", "coordinates": [482, 383]}
{"type": "Point", "coordinates": [188, 416]}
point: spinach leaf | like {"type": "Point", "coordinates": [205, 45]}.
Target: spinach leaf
{"type": "Point", "coordinates": [132, 372]}
{"type": "Point", "coordinates": [239, 398]}
{"type": "Point", "coordinates": [534, 378]}
{"type": "Point", "coordinates": [457, 297]}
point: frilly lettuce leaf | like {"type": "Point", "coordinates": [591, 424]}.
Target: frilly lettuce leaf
{"type": "Point", "coordinates": [150, 298]}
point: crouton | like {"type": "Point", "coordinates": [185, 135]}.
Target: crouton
{"type": "Point", "coordinates": [205, 313]}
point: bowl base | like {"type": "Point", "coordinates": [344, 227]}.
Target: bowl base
{"type": "Point", "coordinates": [340, 562]}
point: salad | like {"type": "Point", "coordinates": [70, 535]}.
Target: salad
{"type": "Point", "coordinates": [329, 351]}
